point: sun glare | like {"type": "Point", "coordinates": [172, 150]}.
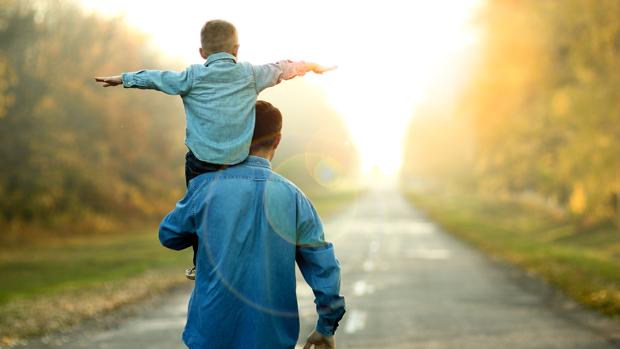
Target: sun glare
{"type": "Point", "coordinates": [388, 52]}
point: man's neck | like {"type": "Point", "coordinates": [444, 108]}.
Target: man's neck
{"type": "Point", "coordinates": [265, 154]}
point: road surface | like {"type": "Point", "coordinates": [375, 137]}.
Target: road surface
{"type": "Point", "coordinates": [408, 285]}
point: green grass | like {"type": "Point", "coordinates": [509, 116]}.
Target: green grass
{"type": "Point", "coordinates": [31, 271]}
{"type": "Point", "coordinates": [51, 284]}
{"type": "Point", "coordinates": [45, 288]}
{"type": "Point", "coordinates": [584, 263]}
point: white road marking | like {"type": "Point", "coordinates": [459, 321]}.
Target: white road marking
{"type": "Point", "coordinates": [428, 253]}
{"type": "Point", "coordinates": [361, 287]}
{"type": "Point", "coordinates": [368, 266]}
{"type": "Point", "coordinates": [355, 322]}
{"type": "Point", "coordinates": [374, 247]}
{"type": "Point", "coordinates": [377, 226]}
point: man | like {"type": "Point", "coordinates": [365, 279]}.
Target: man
{"type": "Point", "coordinates": [252, 225]}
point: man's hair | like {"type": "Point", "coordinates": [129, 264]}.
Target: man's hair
{"type": "Point", "coordinates": [268, 125]}
{"type": "Point", "coordinates": [218, 36]}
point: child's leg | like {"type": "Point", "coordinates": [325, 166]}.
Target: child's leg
{"type": "Point", "coordinates": [193, 168]}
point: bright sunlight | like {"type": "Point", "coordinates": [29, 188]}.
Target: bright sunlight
{"type": "Point", "coordinates": [387, 55]}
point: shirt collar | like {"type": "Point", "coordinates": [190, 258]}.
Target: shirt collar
{"type": "Point", "coordinates": [220, 56]}
{"type": "Point", "coordinates": [257, 161]}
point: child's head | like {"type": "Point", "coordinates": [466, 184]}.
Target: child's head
{"type": "Point", "coordinates": [218, 36]}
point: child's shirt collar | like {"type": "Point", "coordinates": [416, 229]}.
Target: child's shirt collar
{"type": "Point", "coordinates": [220, 56]}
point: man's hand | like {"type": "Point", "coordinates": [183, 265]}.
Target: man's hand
{"type": "Point", "coordinates": [319, 69]}
{"type": "Point", "coordinates": [110, 80]}
{"type": "Point", "coordinates": [320, 341]}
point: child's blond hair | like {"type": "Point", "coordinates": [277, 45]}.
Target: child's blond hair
{"type": "Point", "coordinates": [218, 36]}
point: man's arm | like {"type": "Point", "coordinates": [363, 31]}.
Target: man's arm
{"type": "Point", "coordinates": [268, 75]}
{"type": "Point", "coordinates": [177, 230]}
{"type": "Point", "coordinates": [321, 270]}
{"type": "Point", "coordinates": [169, 82]}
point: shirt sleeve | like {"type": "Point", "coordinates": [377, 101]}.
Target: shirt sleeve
{"type": "Point", "coordinates": [169, 82]}
{"type": "Point", "coordinates": [268, 75]}
{"type": "Point", "coordinates": [320, 268]}
{"type": "Point", "coordinates": [177, 230]}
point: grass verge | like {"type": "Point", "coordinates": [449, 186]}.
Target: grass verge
{"type": "Point", "coordinates": [48, 288]}
{"type": "Point", "coordinates": [50, 285]}
{"type": "Point", "coordinates": [583, 264]}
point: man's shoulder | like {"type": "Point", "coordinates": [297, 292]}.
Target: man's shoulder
{"type": "Point", "coordinates": [248, 172]}
{"type": "Point", "coordinates": [276, 177]}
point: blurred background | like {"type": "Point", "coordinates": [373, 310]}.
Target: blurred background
{"type": "Point", "coordinates": [499, 119]}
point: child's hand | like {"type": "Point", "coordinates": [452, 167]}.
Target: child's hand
{"type": "Point", "coordinates": [110, 80]}
{"type": "Point", "coordinates": [319, 69]}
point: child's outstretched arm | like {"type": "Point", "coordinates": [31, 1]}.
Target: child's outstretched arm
{"type": "Point", "coordinates": [268, 75]}
{"type": "Point", "coordinates": [319, 69]}
{"type": "Point", "coordinates": [169, 82]}
{"type": "Point", "coordinates": [108, 81]}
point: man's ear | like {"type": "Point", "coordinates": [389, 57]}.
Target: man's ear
{"type": "Point", "coordinates": [276, 141]}
{"type": "Point", "coordinates": [203, 54]}
{"type": "Point", "coordinates": [235, 50]}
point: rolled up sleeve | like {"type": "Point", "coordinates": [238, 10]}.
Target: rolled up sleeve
{"type": "Point", "coordinates": [320, 268]}
{"type": "Point", "coordinates": [268, 75]}
{"type": "Point", "coordinates": [177, 230]}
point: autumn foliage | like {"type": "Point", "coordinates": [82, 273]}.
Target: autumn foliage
{"type": "Point", "coordinates": [72, 152]}
{"type": "Point", "coordinates": [539, 114]}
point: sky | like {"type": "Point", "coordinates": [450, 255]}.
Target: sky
{"type": "Point", "coordinates": [389, 53]}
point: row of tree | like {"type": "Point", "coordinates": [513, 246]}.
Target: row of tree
{"type": "Point", "coordinates": [540, 112]}
{"type": "Point", "coordinates": [72, 152]}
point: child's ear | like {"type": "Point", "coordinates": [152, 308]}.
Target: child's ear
{"type": "Point", "coordinates": [203, 54]}
{"type": "Point", "coordinates": [235, 50]}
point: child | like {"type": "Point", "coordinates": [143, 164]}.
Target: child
{"type": "Point", "coordinates": [219, 97]}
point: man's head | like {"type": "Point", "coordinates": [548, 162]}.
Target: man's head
{"type": "Point", "coordinates": [218, 36]}
{"type": "Point", "coordinates": [267, 130]}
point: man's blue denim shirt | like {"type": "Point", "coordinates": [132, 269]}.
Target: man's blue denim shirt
{"type": "Point", "coordinates": [252, 227]}
{"type": "Point", "coordinates": [219, 97]}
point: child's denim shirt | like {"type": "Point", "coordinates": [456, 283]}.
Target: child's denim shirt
{"type": "Point", "coordinates": [219, 97]}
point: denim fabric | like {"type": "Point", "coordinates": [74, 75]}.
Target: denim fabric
{"type": "Point", "coordinates": [252, 227]}
{"type": "Point", "coordinates": [219, 97]}
{"type": "Point", "coordinates": [194, 168]}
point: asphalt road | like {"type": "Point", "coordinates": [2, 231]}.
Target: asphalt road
{"type": "Point", "coordinates": [407, 284]}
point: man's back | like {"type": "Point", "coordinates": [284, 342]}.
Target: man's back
{"type": "Point", "coordinates": [252, 225]}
